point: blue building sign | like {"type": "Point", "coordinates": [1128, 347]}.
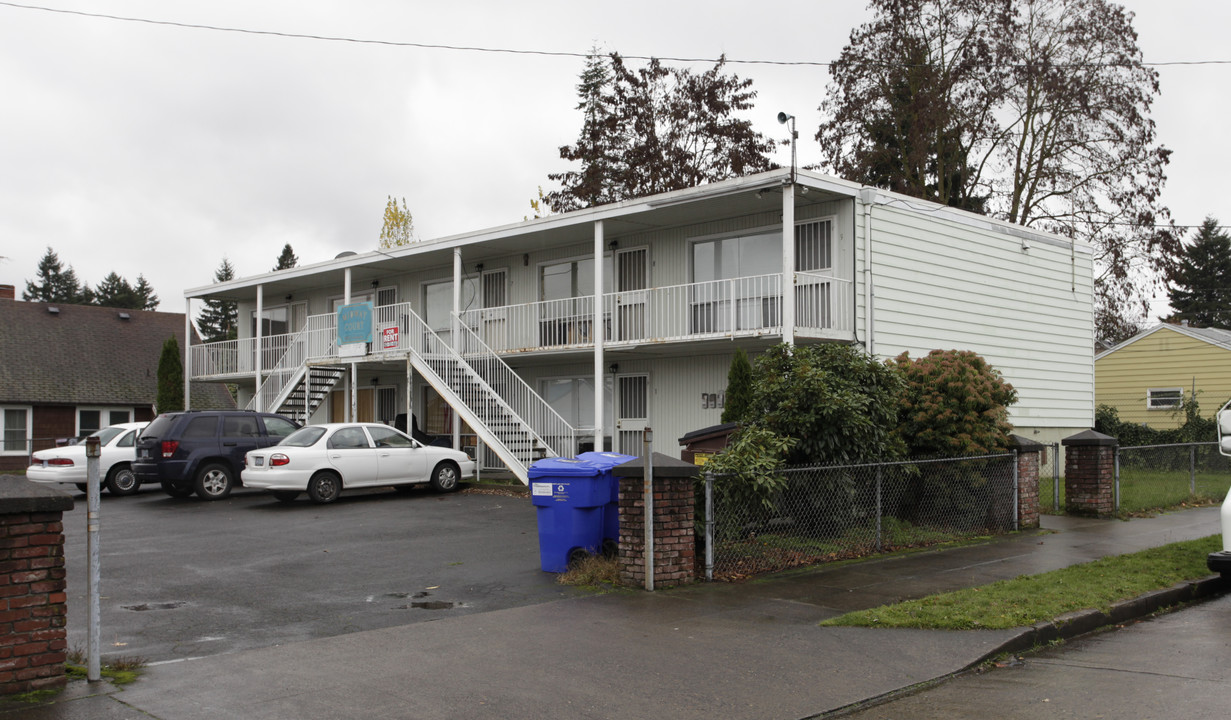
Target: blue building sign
{"type": "Point", "coordinates": [355, 323]}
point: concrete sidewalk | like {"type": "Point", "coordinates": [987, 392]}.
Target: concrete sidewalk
{"type": "Point", "coordinates": [751, 650]}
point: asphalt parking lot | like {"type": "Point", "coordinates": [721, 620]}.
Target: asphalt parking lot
{"type": "Point", "coordinates": [185, 578]}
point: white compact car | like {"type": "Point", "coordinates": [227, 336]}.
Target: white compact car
{"type": "Point", "coordinates": [66, 465]}
{"type": "Point", "coordinates": [325, 459]}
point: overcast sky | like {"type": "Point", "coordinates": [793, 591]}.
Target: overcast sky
{"type": "Point", "coordinates": [159, 150]}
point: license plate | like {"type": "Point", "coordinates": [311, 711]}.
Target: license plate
{"type": "Point", "coordinates": [258, 460]}
{"type": "Point", "coordinates": [143, 453]}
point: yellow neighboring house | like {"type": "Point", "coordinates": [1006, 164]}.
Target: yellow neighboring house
{"type": "Point", "coordinates": [1146, 377]}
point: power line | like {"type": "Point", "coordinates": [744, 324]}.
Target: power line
{"type": "Point", "coordinates": [511, 51]}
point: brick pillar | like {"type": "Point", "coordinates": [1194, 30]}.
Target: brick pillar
{"type": "Point", "coordinates": [675, 544]}
{"type": "Point", "coordinates": [1089, 474]}
{"type": "Point", "coordinates": [32, 589]}
{"type": "Point", "coordinates": [1028, 454]}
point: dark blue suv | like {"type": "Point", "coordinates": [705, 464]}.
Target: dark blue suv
{"type": "Point", "coordinates": [203, 451]}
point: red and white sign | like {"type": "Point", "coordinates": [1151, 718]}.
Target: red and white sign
{"type": "Point", "coordinates": [389, 338]}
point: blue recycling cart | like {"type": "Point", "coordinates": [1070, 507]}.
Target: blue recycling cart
{"type": "Point", "coordinates": [606, 463]}
{"type": "Point", "coordinates": [569, 496]}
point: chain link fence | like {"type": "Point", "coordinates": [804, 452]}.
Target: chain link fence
{"type": "Point", "coordinates": [804, 516]}
{"type": "Point", "coordinates": [1152, 477]}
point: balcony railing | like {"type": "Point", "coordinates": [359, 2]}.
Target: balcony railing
{"type": "Point", "coordinates": [740, 307]}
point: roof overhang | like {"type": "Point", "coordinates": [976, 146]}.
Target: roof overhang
{"type": "Point", "coordinates": [726, 199]}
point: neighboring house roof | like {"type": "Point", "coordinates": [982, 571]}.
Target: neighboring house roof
{"type": "Point", "coordinates": [88, 355]}
{"type": "Point", "coordinates": [1214, 336]}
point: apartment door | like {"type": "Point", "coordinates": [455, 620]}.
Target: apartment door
{"type": "Point", "coordinates": [495, 314]}
{"type": "Point", "coordinates": [365, 406]}
{"type": "Point", "coordinates": [632, 412]}
{"type": "Point", "coordinates": [632, 277]}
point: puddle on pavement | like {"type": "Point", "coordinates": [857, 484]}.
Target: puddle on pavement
{"type": "Point", "coordinates": [155, 606]}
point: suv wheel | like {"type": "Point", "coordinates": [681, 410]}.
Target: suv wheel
{"type": "Point", "coordinates": [122, 481]}
{"type": "Point", "coordinates": [214, 482]}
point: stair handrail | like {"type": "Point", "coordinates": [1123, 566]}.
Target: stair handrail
{"type": "Point", "coordinates": [283, 375]}
{"type": "Point", "coordinates": [542, 418]}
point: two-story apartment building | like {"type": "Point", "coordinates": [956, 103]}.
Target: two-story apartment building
{"type": "Point", "coordinates": [580, 330]}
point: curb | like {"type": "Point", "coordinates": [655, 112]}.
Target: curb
{"type": "Point", "coordinates": [1082, 622]}
{"type": "Point", "coordinates": [1065, 627]}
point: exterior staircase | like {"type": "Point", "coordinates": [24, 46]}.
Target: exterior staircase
{"type": "Point", "coordinates": [309, 391]}
{"type": "Point", "coordinates": [507, 415]}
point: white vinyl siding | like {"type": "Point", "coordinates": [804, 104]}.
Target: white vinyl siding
{"type": "Point", "coordinates": [940, 284]}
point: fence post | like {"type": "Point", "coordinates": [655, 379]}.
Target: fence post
{"type": "Point", "coordinates": [1192, 470]}
{"type": "Point", "coordinates": [1016, 492]}
{"type": "Point", "coordinates": [879, 471]}
{"type": "Point", "coordinates": [1090, 461]}
{"type": "Point", "coordinates": [709, 526]}
{"type": "Point", "coordinates": [1055, 476]}
{"type": "Point", "coordinates": [1116, 484]}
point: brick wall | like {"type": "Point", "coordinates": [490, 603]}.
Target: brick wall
{"type": "Point", "coordinates": [674, 540]}
{"type": "Point", "coordinates": [1089, 474]}
{"type": "Point", "coordinates": [1028, 489]}
{"type": "Point", "coordinates": [32, 593]}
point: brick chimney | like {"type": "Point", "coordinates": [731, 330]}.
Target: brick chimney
{"type": "Point", "coordinates": [7, 292]}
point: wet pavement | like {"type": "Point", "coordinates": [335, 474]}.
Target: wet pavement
{"type": "Point", "coordinates": [749, 650]}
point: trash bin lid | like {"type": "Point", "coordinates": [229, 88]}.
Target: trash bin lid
{"type": "Point", "coordinates": [605, 460]}
{"type": "Point", "coordinates": [561, 467]}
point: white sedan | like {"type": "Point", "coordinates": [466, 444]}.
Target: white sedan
{"type": "Point", "coordinates": [325, 459]}
{"type": "Point", "coordinates": [66, 465]}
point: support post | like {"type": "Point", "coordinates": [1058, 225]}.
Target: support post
{"type": "Point", "coordinates": [92, 453]}
{"type": "Point", "coordinates": [599, 336]}
{"type": "Point", "coordinates": [257, 353]}
{"type": "Point", "coordinates": [788, 262]}
{"type": "Point", "coordinates": [187, 354]}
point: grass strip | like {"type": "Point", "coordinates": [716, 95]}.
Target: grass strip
{"type": "Point", "coordinates": [1028, 599]}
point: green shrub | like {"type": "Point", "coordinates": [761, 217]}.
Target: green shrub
{"type": "Point", "coordinates": [955, 404]}
{"type": "Point", "coordinates": [739, 388]}
{"type": "Point", "coordinates": [836, 402]}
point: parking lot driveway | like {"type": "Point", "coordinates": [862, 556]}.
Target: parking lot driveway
{"type": "Point", "coordinates": [186, 578]}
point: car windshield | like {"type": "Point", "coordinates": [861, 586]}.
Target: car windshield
{"type": "Point", "coordinates": [108, 434]}
{"type": "Point", "coordinates": [303, 437]}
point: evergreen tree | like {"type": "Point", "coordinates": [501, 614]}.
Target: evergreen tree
{"type": "Point", "coordinates": [399, 226]}
{"type": "Point", "coordinates": [114, 291]}
{"type": "Point", "coordinates": [657, 129]}
{"type": "Point", "coordinates": [170, 396]}
{"type": "Point", "coordinates": [56, 285]}
{"type": "Point", "coordinates": [597, 146]}
{"type": "Point", "coordinates": [287, 259]}
{"type": "Point", "coordinates": [144, 294]}
{"type": "Point", "coordinates": [739, 388]}
{"type": "Point", "coordinates": [1200, 286]}
{"type": "Point", "coordinates": [219, 319]}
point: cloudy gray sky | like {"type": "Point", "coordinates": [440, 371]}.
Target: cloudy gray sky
{"type": "Point", "coordinates": [154, 149]}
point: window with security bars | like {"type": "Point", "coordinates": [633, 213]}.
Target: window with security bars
{"type": "Point", "coordinates": [814, 246]}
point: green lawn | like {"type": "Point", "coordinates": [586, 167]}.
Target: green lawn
{"type": "Point", "coordinates": [1035, 598]}
{"type": "Point", "coordinates": [1143, 491]}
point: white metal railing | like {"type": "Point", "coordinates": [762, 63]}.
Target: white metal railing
{"type": "Point", "coordinates": [552, 430]}
{"type": "Point", "coordinates": [236, 357]}
{"type": "Point", "coordinates": [719, 308]}
{"type": "Point", "coordinates": [746, 306]}
{"type": "Point", "coordinates": [284, 373]}
{"type": "Point", "coordinates": [823, 305]}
